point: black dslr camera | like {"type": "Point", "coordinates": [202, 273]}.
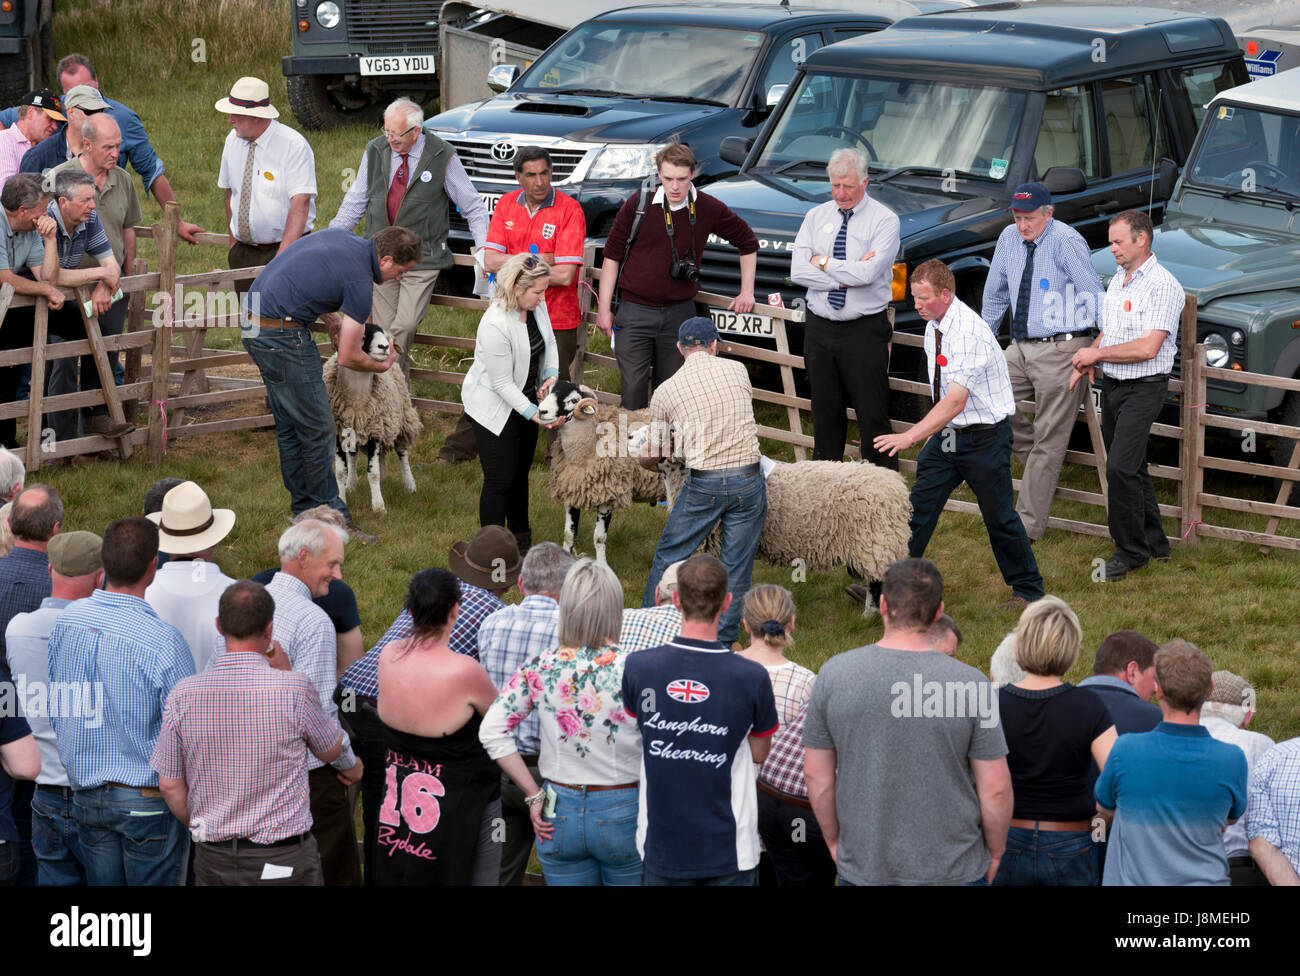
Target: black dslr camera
{"type": "Point", "coordinates": [684, 267]}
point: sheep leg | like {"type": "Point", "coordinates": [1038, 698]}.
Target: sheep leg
{"type": "Point", "coordinates": [601, 532]}
{"type": "Point", "coordinates": [349, 443]}
{"type": "Point", "coordinates": [571, 517]}
{"type": "Point", "coordinates": [404, 455]}
{"type": "Point", "coordinates": [341, 468]}
{"type": "Point", "coordinates": [373, 451]}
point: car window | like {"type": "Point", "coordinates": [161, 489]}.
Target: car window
{"type": "Point", "coordinates": [786, 58]}
{"type": "Point", "coordinates": [1203, 83]}
{"type": "Point", "coordinates": [1068, 135]}
{"type": "Point", "coordinates": [1135, 134]}
{"type": "Point", "coordinates": [1249, 150]}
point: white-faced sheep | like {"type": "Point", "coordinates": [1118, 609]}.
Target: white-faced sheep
{"type": "Point", "coordinates": [372, 409]}
{"type": "Point", "coordinates": [590, 464]}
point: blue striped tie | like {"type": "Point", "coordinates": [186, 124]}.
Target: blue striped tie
{"type": "Point", "coordinates": [840, 253]}
{"type": "Point", "coordinates": [1020, 318]}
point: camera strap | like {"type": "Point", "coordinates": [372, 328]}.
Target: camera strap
{"type": "Point", "coordinates": [668, 226]}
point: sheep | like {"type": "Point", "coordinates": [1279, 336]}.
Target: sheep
{"type": "Point", "coordinates": [374, 409]}
{"type": "Point", "coordinates": [825, 514]}
{"type": "Point", "coordinates": [590, 464]}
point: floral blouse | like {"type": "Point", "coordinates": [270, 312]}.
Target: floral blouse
{"type": "Point", "coordinates": [588, 737]}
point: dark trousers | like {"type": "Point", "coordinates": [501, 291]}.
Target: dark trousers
{"type": "Point", "coordinates": [848, 366]}
{"type": "Point", "coordinates": [1128, 409]}
{"type": "Point", "coordinates": [519, 828]}
{"type": "Point", "coordinates": [16, 333]}
{"type": "Point", "coordinates": [246, 864]}
{"type": "Point", "coordinates": [982, 459]}
{"type": "Point", "coordinates": [243, 255]}
{"type": "Point", "coordinates": [331, 815]}
{"type": "Point", "coordinates": [645, 346]}
{"type": "Point", "coordinates": [794, 844]}
{"type": "Point", "coordinates": [368, 744]}
{"type": "Point", "coordinates": [506, 458]}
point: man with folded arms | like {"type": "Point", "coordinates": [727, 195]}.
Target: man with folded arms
{"type": "Point", "coordinates": [232, 754]}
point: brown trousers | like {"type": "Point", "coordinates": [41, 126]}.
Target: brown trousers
{"type": "Point", "coordinates": [245, 864]}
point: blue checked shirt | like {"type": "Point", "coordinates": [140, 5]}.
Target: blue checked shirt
{"type": "Point", "coordinates": [975, 361]}
{"type": "Point", "coordinates": [116, 649]}
{"type": "Point", "coordinates": [362, 675]}
{"type": "Point", "coordinates": [89, 238]}
{"type": "Point", "coordinates": [1066, 291]}
{"type": "Point", "coordinates": [512, 636]}
{"type": "Point", "coordinates": [1152, 300]}
{"type": "Point", "coordinates": [24, 583]}
{"type": "Point", "coordinates": [307, 635]}
{"type": "Point", "coordinates": [1273, 805]}
{"type": "Point", "coordinates": [649, 627]}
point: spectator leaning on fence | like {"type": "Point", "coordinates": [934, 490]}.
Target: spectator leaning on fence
{"type": "Point", "coordinates": [1042, 270]}
{"type": "Point", "coordinates": [38, 113]}
{"type": "Point", "coordinates": [29, 262]}
{"type": "Point", "coordinates": [1139, 336]}
{"type": "Point", "coordinates": [118, 212]}
{"type": "Point", "coordinates": [269, 174]}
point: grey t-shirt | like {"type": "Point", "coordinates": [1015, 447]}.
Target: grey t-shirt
{"type": "Point", "coordinates": [905, 725]}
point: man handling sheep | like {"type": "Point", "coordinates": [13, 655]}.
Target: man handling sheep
{"type": "Point", "coordinates": [708, 405]}
{"type": "Point", "coordinates": [282, 304]}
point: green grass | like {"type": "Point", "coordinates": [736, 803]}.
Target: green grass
{"type": "Point", "coordinates": [1236, 604]}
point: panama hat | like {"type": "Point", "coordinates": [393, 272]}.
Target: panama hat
{"type": "Point", "coordinates": [249, 96]}
{"type": "Point", "coordinates": [188, 522]}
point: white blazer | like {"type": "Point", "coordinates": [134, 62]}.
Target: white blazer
{"type": "Point", "coordinates": [494, 384]}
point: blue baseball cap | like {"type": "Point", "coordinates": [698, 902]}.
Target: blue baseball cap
{"type": "Point", "coordinates": [697, 331]}
{"type": "Point", "coordinates": [1030, 196]}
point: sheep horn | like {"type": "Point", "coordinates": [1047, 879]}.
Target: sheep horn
{"type": "Point", "coordinates": [587, 406]}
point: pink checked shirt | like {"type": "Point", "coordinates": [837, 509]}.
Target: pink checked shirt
{"type": "Point", "coordinates": [238, 734]}
{"type": "Point", "coordinates": [13, 145]}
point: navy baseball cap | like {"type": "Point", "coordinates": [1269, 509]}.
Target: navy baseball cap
{"type": "Point", "coordinates": [1030, 196]}
{"type": "Point", "coordinates": [697, 331]}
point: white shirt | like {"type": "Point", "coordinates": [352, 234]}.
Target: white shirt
{"type": "Point", "coordinates": [1153, 299]}
{"type": "Point", "coordinates": [873, 227]}
{"type": "Point", "coordinates": [659, 196]}
{"type": "Point", "coordinates": [1254, 745]}
{"type": "Point", "coordinates": [185, 594]}
{"type": "Point", "coordinates": [975, 361]}
{"type": "Point", "coordinates": [284, 167]}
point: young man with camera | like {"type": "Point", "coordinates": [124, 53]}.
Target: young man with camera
{"type": "Point", "coordinates": [653, 255]}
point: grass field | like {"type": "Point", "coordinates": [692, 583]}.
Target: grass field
{"type": "Point", "coordinates": [1237, 605]}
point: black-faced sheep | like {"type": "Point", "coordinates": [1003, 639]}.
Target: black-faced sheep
{"type": "Point", "coordinates": [372, 409]}
{"type": "Point", "coordinates": [590, 464]}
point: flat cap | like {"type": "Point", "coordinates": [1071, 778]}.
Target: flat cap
{"type": "Point", "coordinates": [75, 553]}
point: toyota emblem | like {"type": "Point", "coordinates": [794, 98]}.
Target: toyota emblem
{"type": "Point", "coordinates": [503, 151]}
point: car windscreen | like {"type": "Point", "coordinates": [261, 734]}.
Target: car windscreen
{"type": "Point", "coordinates": [904, 125]}
{"type": "Point", "coordinates": [1249, 150]}
{"type": "Point", "coordinates": [647, 61]}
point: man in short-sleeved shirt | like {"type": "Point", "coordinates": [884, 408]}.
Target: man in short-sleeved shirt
{"type": "Point", "coordinates": [905, 757]}
{"type": "Point", "coordinates": [700, 708]}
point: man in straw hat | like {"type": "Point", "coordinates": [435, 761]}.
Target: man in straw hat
{"type": "Point", "coordinates": [488, 565]}
{"type": "Point", "coordinates": [187, 588]}
{"type": "Point", "coordinates": [269, 175]}
{"type": "Point", "coordinates": [76, 571]}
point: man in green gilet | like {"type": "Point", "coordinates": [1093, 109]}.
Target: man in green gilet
{"type": "Point", "coordinates": [406, 176]}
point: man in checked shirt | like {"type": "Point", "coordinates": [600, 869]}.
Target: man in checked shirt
{"type": "Point", "coordinates": [972, 404]}
{"type": "Point", "coordinates": [1139, 335]}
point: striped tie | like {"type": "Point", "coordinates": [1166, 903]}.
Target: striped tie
{"type": "Point", "coordinates": [1020, 318]}
{"type": "Point", "coordinates": [836, 297]}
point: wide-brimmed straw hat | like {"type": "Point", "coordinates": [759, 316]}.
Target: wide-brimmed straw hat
{"type": "Point", "coordinates": [188, 522]}
{"type": "Point", "coordinates": [249, 96]}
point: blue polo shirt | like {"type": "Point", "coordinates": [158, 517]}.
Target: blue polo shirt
{"type": "Point", "coordinates": [88, 238]}
{"type": "Point", "coordinates": [696, 704]}
{"type": "Point", "coordinates": [19, 251]}
{"type": "Point", "coordinates": [1173, 790]}
{"type": "Point", "coordinates": [329, 271]}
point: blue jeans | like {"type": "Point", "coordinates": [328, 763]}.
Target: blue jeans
{"type": "Point", "coordinates": [130, 839]}
{"type": "Point", "coordinates": [595, 838]}
{"type": "Point", "coordinates": [740, 502]}
{"type": "Point", "coordinates": [739, 879]}
{"type": "Point", "coordinates": [1048, 857]}
{"type": "Point", "coordinates": [59, 860]}
{"type": "Point", "coordinates": [304, 423]}
{"type": "Point", "coordinates": [982, 459]}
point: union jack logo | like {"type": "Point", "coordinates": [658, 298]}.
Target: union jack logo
{"type": "Point", "coordinates": [683, 690]}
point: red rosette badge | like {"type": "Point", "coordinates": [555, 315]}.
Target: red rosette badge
{"type": "Point", "coordinates": [941, 360]}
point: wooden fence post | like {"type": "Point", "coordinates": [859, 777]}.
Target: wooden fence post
{"type": "Point", "coordinates": [165, 236]}
{"type": "Point", "coordinates": [1191, 406]}
{"type": "Point", "coordinates": [35, 428]}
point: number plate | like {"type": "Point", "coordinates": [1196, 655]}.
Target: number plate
{"type": "Point", "coordinates": [734, 323]}
{"type": "Point", "coordinates": [403, 64]}
{"type": "Point", "coordinates": [490, 200]}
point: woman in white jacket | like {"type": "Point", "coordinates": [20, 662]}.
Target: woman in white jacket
{"type": "Point", "coordinates": [515, 365]}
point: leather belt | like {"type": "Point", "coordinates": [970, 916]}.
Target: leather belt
{"type": "Point", "coordinates": [63, 791]}
{"type": "Point", "coordinates": [261, 247]}
{"type": "Point", "coordinates": [595, 789]}
{"type": "Point", "coordinates": [151, 791]}
{"type": "Point", "coordinates": [1052, 825]}
{"type": "Point", "coordinates": [237, 842]}
{"type": "Point", "coordinates": [1062, 336]}
{"type": "Point", "coordinates": [1154, 378]}
{"type": "Point", "coordinates": [742, 471]}
{"type": "Point", "coordinates": [790, 798]}
{"type": "Point", "coordinates": [284, 323]}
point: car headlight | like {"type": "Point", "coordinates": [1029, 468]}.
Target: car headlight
{"type": "Point", "coordinates": [327, 15]}
{"type": "Point", "coordinates": [624, 162]}
{"type": "Point", "coordinates": [1216, 350]}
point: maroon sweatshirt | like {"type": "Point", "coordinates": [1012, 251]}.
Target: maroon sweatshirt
{"type": "Point", "coordinates": [644, 278]}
